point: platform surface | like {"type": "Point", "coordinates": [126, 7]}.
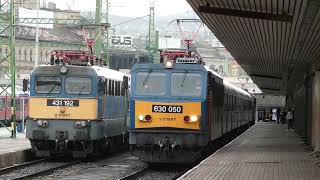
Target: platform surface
{"type": "Point", "coordinates": [8, 144]}
{"type": "Point", "coordinates": [264, 152]}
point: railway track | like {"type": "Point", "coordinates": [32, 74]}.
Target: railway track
{"type": "Point", "coordinates": [17, 166]}
{"type": "Point", "coordinates": [33, 169]}
{"type": "Point", "coordinates": [136, 174]}
{"type": "Point", "coordinates": [160, 173]}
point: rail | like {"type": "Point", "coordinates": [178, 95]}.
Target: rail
{"type": "Point", "coordinates": [33, 169]}
{"type": "Point", "coordinates": [135, 174]}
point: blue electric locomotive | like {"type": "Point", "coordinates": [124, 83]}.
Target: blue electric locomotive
{"type": "Point", "coordinates": [179, 107]}
{"type": "Point", "coordinates": [76, 109]}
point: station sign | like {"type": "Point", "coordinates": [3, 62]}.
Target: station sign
{"type": "Point", "coordinates": [121, 41]}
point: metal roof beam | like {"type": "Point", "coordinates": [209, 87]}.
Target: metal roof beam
{"type": "Point", "coordinates": [245, 14]}
{"type": "Point", "coordinates": [265, 76]}
{"type": "Point", "coordinates": [270, 89]}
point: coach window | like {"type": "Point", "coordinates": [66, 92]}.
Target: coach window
{"type": "Point", "coordinates": [233, 102]}
{"type": "Point", "coordinates": [106, 87]}
{"type": "Point", "coordinates": [49, 85]}
{"type": "Point", "coordinates": [18, 104]}
{"type": "Point", "coordinates": [122, 88]}
{"type": "Point", "coordinates": [78, 85]}
{"type": "Point", "coordinates": [228, 101]}
{"type": "Point", "coordinates": [30, 54]}
{"type": "Point", "coordinates": [2, 104]}
{"type": "Point", "coordinates": [112, 88]}
{"type": "Point", "coordinates": [117, 88]}
{"type": "Point", "coordinates": [109, 87]}
{"type": "Point", "coordinates": [186, 84]}
{"type": "Point", "coordinates": [150, 83]}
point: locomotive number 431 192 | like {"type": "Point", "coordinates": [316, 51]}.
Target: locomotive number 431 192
{"type": "Point", "coordinates": [63, 102]}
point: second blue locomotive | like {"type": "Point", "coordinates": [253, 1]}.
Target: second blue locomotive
{"type": "Point", "coordinates": [177, 108]}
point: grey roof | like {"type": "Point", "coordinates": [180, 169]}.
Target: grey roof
{"type": "Point", "coordinates": [57, 34]}
{"type": "Point", "coordinates": [275, 42]}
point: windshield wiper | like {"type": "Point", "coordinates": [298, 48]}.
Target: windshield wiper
{"type": "Point", "coordinates": [184, 78]}
{"type": "Point", "coordinates": [146, 78]}
{"type": "Point", "coordinates": [53, 87]}
{"type": "Point", "coordinates": [82, 88]}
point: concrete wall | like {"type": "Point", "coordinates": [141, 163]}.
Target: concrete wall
{"type": "Point", "coordinates": [306, 103]}
{"type": "Point", "coordinates": [315, 115]}
{"type": "Point", "coordinates": [301, 107]}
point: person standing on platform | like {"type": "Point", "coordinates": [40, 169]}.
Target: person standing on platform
{"type": "Point", "coordinates": [278, 116]}
{"type": "Point", "coordinates": [290, 119]}
{"type": "Point", "coordinates": [282, 117]}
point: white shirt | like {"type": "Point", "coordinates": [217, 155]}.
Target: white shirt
{"type": "Point", "coordinates": [289, 115]}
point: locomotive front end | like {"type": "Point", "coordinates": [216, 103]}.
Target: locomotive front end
{"type": "Point", "coordinates": [167, 112]}
{"type": "Point", "coordinates": [63, 110]}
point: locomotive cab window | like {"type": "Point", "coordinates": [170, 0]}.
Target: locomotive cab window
{"type": "Point", "coordinates": [186, 84]}
{"type": "Point", "coordinates": [50, 85]}
{"type": "Point", "coordinates": [78, 85]}
{"type": "Point", "coordinates": [150, 83]}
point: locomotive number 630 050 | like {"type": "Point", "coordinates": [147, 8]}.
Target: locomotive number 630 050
{"type": "Point", "coordinates": [167, 109]}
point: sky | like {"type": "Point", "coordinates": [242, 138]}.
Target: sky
{"type": "Point", "coordinates": [130, 8]}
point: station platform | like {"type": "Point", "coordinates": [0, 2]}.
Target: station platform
{"type": "Point", "coordinates": [13, 150]}
{"type": "Point", "coordinates": [267, 151]}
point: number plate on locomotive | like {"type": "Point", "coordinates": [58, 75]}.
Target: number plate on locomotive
{"type": "Point", "coordinates": [63, 102]}
{"type": "Point", "coordinates": [167, 109]}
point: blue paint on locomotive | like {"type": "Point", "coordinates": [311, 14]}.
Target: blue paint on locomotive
{"type": "Point", "coordinates": [132, 112]}
{"type": "Point", "coordinates": [111, 113]}
{"type": "Point", "coordinates": [168, 98]}
{"type": "Point", "coordinates": [204, 123]}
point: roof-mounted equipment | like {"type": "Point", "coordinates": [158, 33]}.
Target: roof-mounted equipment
{"type": "Point", "coordinates": [75, 57]}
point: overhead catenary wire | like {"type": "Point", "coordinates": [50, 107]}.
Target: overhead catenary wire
{"type": "Point", "coordinates": [138, 18]}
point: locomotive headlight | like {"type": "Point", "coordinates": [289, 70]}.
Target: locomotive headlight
{"type": "Point", "coordinates": [45, 123]}
{"type": "Point", "coordinates": [194, 118]}
{"type": "Point", "coordinates": [83, 123]}
{"type": "Point", "coordinates": [77, 124]}
{"type": "Point", "coordinates": [148, 118]}
{"type": "Point", "coordinates": [141, 117]}
{"type": "Point", "coordinates": [168, 64]}
{"type": "Point", "coordinates": [63, 69]}
{"type": "Point", "coordinates": [39, 122]}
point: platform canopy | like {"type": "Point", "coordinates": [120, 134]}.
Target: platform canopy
{"type": "Point", "coordinates": [274, 41]}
